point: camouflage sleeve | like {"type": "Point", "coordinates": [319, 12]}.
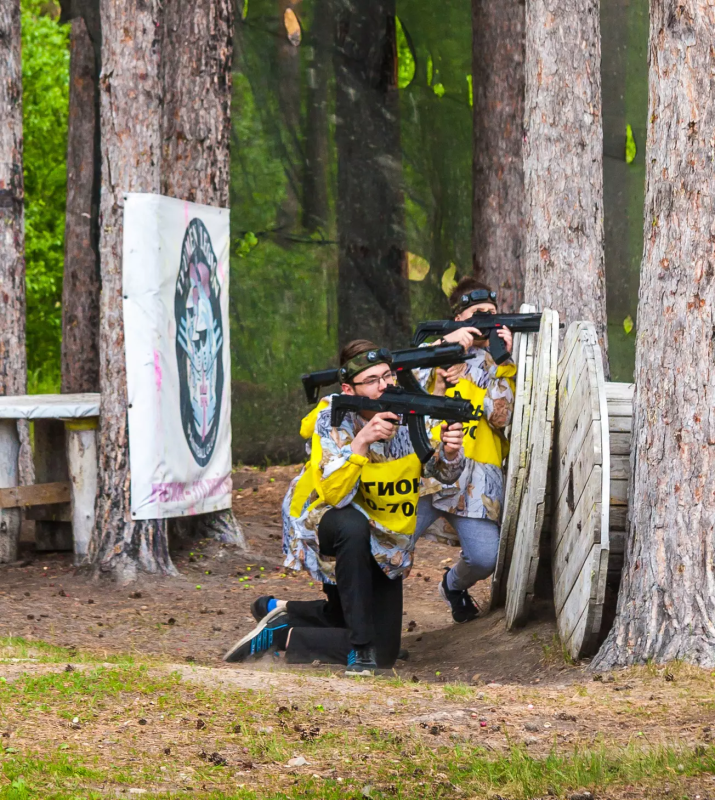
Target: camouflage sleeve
{"type": "Point", "coordinates": [441, 469]}
{"type": "Point", "coordinates": [499, 399]}
{"type": "Point", "coordinates": [338, 470]}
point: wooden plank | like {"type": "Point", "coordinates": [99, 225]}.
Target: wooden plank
{"type": "Point", "coordinates": [620, 408]}
{"type": "Point", "coordinates": [618, 518]}
{"type": "Point", "coordinates": [82, 466]}
{"type": "Point", "coordinates": [582, 533]}
{"type": "Point", "coordinates": [619, 493]}
{"type": "Point", "coordinates": [525, 557]}
{"type": "Point", "coordinates": [619, 424]}
{"type": "Point", "coordinates": [517, 460]}
{"type": "Point", "coordinates": [620, 444]}
{"type": "Point", "coordinates": [10, 519]}
{"type": "Point", "coordinates": [619, 391]}
{"type": "Point", "coordinates": [571, 371]}
{"type": "Point", "coordinates": [35, 495]}
{"type": "Point", "coordinates": [49, 406]}
{"type": "Point", "coordinates": [580, 539]}
{"type": "Point", "coordinates": [620, 467]}
{"type": "Point", "coordinates": [580, 619]}
{"type": "Point", "coordinates": [618, 542]}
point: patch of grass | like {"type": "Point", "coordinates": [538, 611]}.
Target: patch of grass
{"type": "Point", "coordinates": [423, 773]}
{"type": "Point", "coordinates": [16, 648]}
{"type": "Point", "coordinates": [554, 651]}
{"type": "Point", "coordinates": [459, 691]}
{"type": "Point", "coordinates": [164, 729]}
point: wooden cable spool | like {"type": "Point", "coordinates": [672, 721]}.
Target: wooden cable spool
{"type": "Point", "coordinates": [589, 489]}
{"type": "Point", "coordinates": [518, 435]}
{"type": "Point", "coordinates": [530, 515]}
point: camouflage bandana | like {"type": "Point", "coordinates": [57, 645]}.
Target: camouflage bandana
{"type": "Point", "coordinates": [364, 361]}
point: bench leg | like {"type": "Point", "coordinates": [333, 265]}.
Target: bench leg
{"type": "Point", "coordinates": [81, 436]}
{"type": "Point", "coordinates": [10, 518]}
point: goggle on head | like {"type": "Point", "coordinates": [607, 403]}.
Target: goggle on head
{"type": "Point", "coordinates": [364, 361]}
{"type": "Point", "coordinates": [474, 297]}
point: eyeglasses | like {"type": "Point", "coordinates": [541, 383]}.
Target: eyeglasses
{"type": "Point", "coordinates": [387, 377]}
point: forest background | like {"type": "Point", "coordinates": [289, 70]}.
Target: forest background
{"type": "Point", "coordinates": [284, 260]}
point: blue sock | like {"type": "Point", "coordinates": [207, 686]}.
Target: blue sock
{"type": "Point", "coordinates": [272, 603]}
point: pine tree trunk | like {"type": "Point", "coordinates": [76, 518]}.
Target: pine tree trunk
{"type": "Point", "coordinates": [81, 286]}
{"type": "Point", "coordinates": [563, 161]}
{"type": "Point", "coordinates": [498, 229]}
{"type": "Point", "coordinates": [13, 363]}
{"type": "Point", "coordinates": [373, 295]}
{"type": "Point", "coordinates": [131, 113]}
{"type": "Point", "coordinates": [666, 605]}
{"type": "Point", "coordinates": [197, 58]}
{"type": "Point", "coordinates": [315, 177]}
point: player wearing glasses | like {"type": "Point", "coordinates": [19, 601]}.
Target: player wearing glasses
{"type": "Point", "coordinates": [349, 519]}
{"type": "Point", "coordinates": [473, 504]}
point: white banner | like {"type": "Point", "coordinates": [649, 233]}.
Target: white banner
{"type": "Point", "coordinates": [176, 329]}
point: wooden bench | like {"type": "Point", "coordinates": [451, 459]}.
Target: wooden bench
{"type": "Point", "coordinates": [65, 456]}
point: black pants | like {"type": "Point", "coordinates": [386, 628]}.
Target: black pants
{"type": "Point", "coordinates": [363, 608]}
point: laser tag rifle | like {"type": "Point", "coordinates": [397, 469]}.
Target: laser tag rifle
{"type": "Point", "coordinates": [518, 323]}
{"type": "Point", "coordinates": [403, 362]}
{"type": "Point", "coordinates": [413, 409]}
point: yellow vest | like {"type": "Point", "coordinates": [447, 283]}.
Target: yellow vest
{"type": "Point", "coordinates": [388, 491]}
{"type": "Point", "coordinates": [481, 442]}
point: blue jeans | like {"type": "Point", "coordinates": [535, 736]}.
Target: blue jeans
{"type": "Point", "coordinates": [479, 539]}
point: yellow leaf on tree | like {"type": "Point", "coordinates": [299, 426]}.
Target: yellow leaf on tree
{"type": "Point", "coordinates": [417, 267]}
{"type": "Point", "coordinates": [630, 145]}
{"type": "Point", "coordinates": [292, 27]}
{"type": "Point", "coordinates": [449, 280]}
{"type": "Point", "coordinates": [628, 324]}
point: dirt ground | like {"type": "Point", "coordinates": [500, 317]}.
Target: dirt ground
{"type": "Point", "coordinates": [198, 616]}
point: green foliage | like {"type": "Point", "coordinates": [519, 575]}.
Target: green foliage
{"type": "Point", "coordinates": [405, 58]}
{"type": "Point", "coordinates": [630, 145]}
{"type": "Point", "coordinates": [45, 84]}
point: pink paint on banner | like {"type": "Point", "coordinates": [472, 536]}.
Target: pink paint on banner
{"type": "Point", "coordinates": [158, 375]}
{"type": "Point", "coordinates": [193, 492]}
{"type": "Point", "coordinates": [220, 270]}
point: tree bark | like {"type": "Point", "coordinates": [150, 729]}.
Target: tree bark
{"type": "Point", "coordinates": [80, 284]}
{"type": "Point", "coordinates": [315, 177]}
{"type": "Point", "coordinates": [498, 226]}
{"type": "Point", "coordinates": [13, 361]}
{"type": "Point", "coordinates": [131, 113]}
{"type": "Point", "coordinates": [13, 365]}
{"type": "Point", "coordinates": [373, 294]}
{"type": "Point", "coordinates": [197, 59]}
{"type": "Point", "coordinates": [563, 161]}
{"type": "Point", "coordinates": [666, 604]}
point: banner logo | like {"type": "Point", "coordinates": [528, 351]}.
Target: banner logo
{"type": "Point", "coordinates": [199, 342]}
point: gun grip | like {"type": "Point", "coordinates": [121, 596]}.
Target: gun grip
{"type": "Point", "coordinates": [419, 438]}
{"type": "Point", "coordinates": [497, 348]}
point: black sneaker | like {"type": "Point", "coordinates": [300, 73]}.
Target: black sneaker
{"type": "Point", "coordinates": [259, 607]}
{"type": "Point", "coordinates": [464, 609]}
{"type": "Point", "coordinates": [271, 632]}
{"type": "Point", "coordinates": [361, 662]}
{"type": "Point", "coordinates": [403, 655]}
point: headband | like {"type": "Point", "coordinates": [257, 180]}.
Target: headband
{"type": "Point", "coordinates": [473, 297]}
{"type": "Point", "coordinates": [363, 361]}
